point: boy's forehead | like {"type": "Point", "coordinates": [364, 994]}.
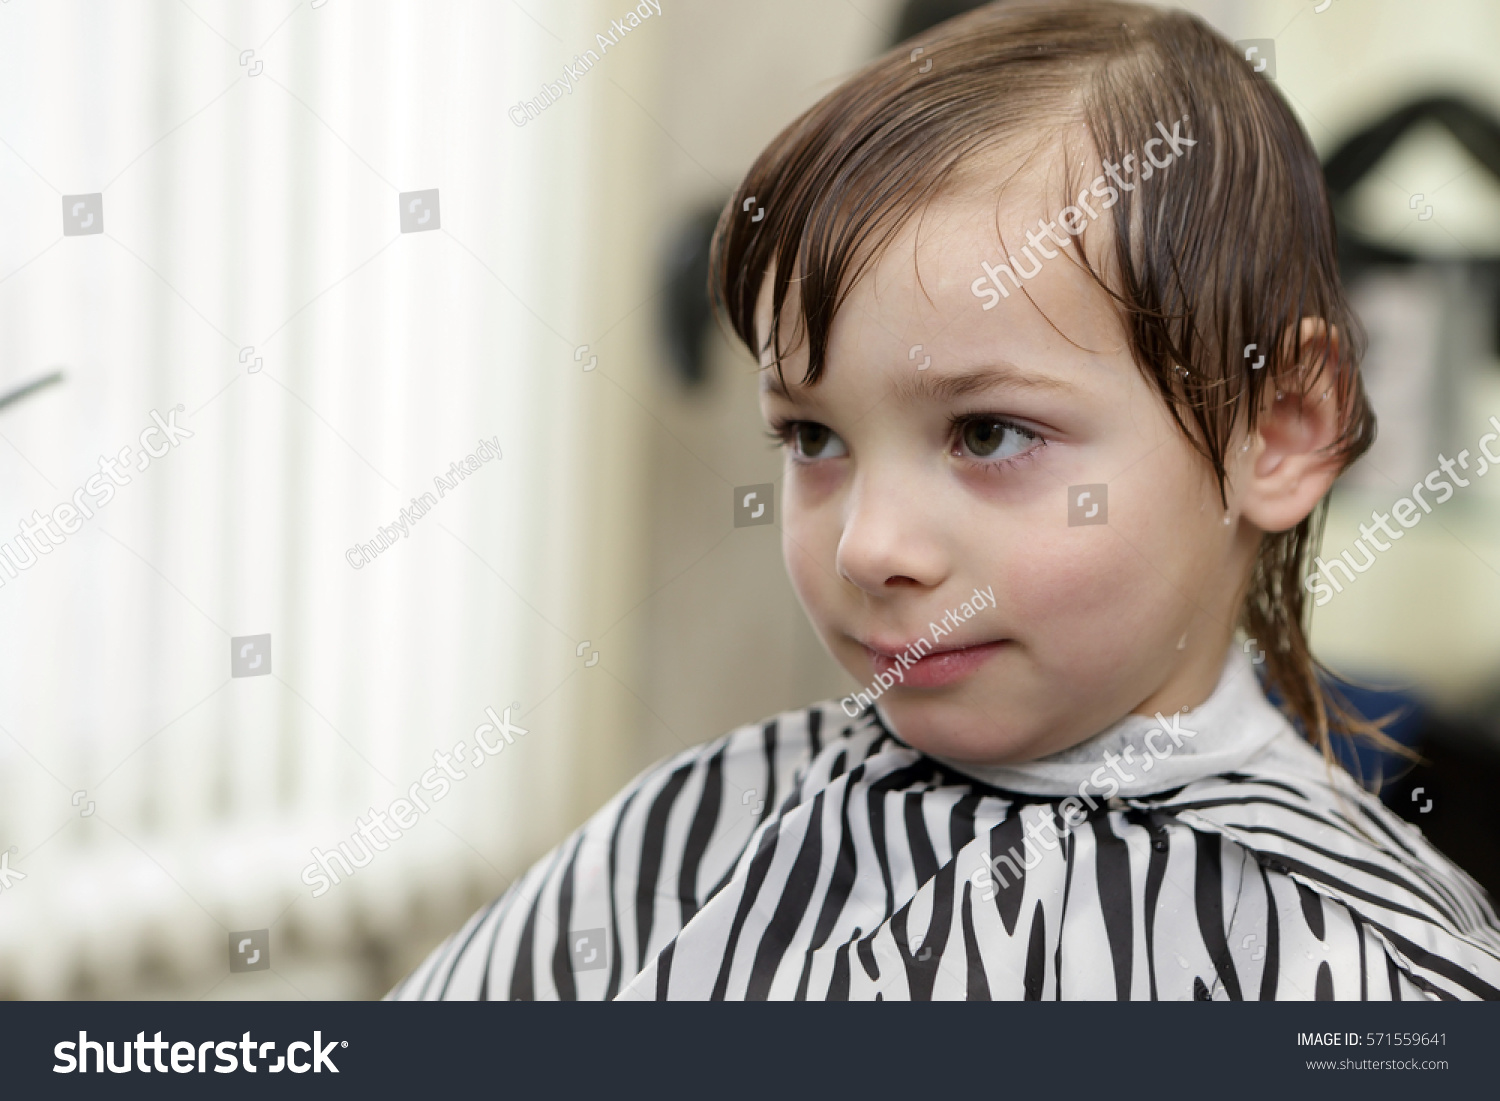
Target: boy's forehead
{"type": "Point", "coordinates": [888, 313]}
{"type": "Point", "coordinates": [921, 281]}
{"type": "Point", "coordinates": [935, 254]}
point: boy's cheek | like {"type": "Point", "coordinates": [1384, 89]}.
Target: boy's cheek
{"type": "Point", "coordinates": [1096, 593]}
{"type": "Point", "coordinates": [810, 566]}
{"type": "Point", "coordinates": [1058, 581]}
{"type": "Point", "coordinates": [1057, 568]}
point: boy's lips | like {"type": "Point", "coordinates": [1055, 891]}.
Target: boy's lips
{"type": "Point", "coordinates": [937, 668]}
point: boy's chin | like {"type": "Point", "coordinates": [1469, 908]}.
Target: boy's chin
{"type": "Point", "coordinates": [959, 732]}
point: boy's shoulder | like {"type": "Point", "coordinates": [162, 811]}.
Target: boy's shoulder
{"type": "Point", "coordinates": [1300, 817]}
{"type": "Point", "coordinates": [1290, 800]}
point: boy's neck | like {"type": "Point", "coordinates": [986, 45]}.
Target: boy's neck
{"type": "Point", "coordinates": [1230, 725]}
{"type": "Point", "coordinates": [1192, 680]}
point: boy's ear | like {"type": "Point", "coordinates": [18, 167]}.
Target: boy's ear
{"type": "Point", "coordinates": [1287, 469]}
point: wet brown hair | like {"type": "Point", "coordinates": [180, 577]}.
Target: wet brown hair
{"type": "Point", "coordinates": [1234, 246]}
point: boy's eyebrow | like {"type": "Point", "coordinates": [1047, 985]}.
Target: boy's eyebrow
{"type": "Point", "coordinates": [948, 387]}
{"type": "Point", "coordinates": [975, 380]}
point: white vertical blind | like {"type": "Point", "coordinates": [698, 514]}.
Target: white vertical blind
{"type": "Point", "coordinates": [261, 211]}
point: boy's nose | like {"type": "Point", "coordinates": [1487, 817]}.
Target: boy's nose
{"type": "Point", "coordinates": [887, 544]}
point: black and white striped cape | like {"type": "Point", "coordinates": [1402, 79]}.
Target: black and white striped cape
{"type": "Point", "coordinates": [818, 857]}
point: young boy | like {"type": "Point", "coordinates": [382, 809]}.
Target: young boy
{"type": "Point", "coordinates": [1052, 332]}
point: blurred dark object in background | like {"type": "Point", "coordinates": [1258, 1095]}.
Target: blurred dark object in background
{"type": "Point", "coordinates": [688, 312]}
{"type": "Point", "coordinates": [920, 15]}
{"type": "Point", "coordinates": [1452, 796]}
{"type": "Point", "coordinates": [26, 389]}
{"type": "Point", "coordinates": [1472, 126]}
{"type": "Point", "coordinates": [1372, 767]}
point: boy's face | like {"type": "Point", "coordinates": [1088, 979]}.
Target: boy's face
{"type": "Point", "coordinates": [908, 487]}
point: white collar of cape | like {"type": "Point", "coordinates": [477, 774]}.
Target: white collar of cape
{"type": "Point", "coordinates": [1232, 726]}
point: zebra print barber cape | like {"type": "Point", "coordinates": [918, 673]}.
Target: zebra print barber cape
{"type": "Point", "coordinates": [818, 856]}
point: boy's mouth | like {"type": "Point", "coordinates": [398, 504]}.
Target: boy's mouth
{"type": "Point", "coordinates": [937, 668]}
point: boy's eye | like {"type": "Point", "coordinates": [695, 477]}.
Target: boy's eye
{"type": "Point", "coordinates": [809, 440]}
{"type": "Point", "coordinates": [989, 438]}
